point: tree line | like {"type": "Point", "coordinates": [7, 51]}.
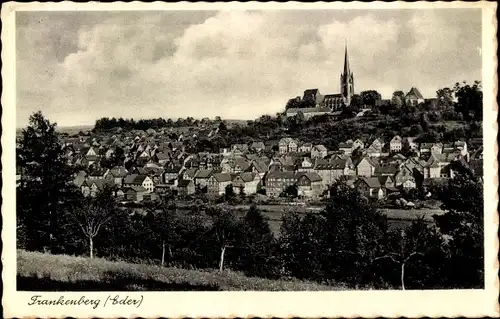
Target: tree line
{"type": "Point", "coordinates": [349, 242]}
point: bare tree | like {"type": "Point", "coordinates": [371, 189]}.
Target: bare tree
{"type": "Point", "coordinates": [224, 226]}
{"type": "Point", "coordinates": [407, 245]}
{"type": "Point", "coordinates": [93, 214]}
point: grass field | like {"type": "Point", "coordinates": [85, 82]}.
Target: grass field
{"type": "Point", "coordinates": [398, 218]}
{"type": "Point", "coordinates": [45, 272]}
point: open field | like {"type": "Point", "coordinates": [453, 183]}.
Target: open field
{"type": "Point", "coordinates": [45, 272]}
{"type": "Point", "coordinates": [398, 218]}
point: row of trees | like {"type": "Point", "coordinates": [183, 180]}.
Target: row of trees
{"type": "Point", "coordinates": [106, 124]}
{"type": "Point", "coordinates": [349, 241]}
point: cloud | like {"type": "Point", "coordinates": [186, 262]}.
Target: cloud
{"type": "Point", "coordinates": [236, 64]}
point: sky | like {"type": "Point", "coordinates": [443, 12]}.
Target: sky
{"type": "Point", "coordinates": [77, 67]}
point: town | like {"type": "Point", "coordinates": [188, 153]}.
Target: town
{"type": "Point", "coordinates": [284, 197]}
{"type": "Point", "coordinates": [143, 165]}
{"type": "Point", "coordinates": [154, 164]}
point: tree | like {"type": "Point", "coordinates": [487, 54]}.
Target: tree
{"type": "Point", "coordinates": [222, 126]}
{"type": "Point", "coordinates": [445, 98]}
{"type": "Point", "coordinates": [302, 246]}
{"type": "Point", "coordinates": [416, 242]}
{"type": "Point", "coordinates": [356, 102]}
{"type": "Point", "coordinates": [354, 233]}
{"type": "Point", "coordinates": [463, 223]}
{"type": "Point", "coordinates": [93, 214]}
{"type": "Point", "coordinates": [225, 228]}
{"type": "Point", "coordinates": [291, 191]}
{"type": "Point", "coordinates": [469, 100]}
{"type": "Point", "coordinates": [293, 103]}
{"type": "Point", "coordinates": [46, 190]}
{"type": "Point", "coordinates": [258, 243]}
{"type": "Point", "coordinates": [398, 99]}
{"type": "Point", "coordinates": [163, 223]}
{"type": "Point", "coordinates": [229, 192]}
{"type": "Point", "coordinates": [370, 97]}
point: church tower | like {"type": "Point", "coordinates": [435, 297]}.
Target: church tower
{"type": "Point", "coordinates": [346, 81]}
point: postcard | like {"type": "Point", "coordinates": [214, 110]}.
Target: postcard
{"type": "Point", "coordinates": [249, 160]}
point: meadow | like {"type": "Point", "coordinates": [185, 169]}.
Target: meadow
{"type": "Point", "coordinates": [44, 272]}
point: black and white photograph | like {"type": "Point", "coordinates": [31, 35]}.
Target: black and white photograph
{"type": "Point", "coordinates": [249, 149]}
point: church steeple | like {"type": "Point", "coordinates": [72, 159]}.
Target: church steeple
{"type": "Point", "coordinates": [347, 81]}
{"type": "Point", "coordinates": [347, 69]}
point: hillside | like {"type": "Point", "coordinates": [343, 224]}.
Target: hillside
{"type": "Point", "coordinates": [45, 272]}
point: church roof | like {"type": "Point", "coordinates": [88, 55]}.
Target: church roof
{"type": "Point", "coordinates": [309, 110]}
{"type": "Point", "coordinates": [333, 96]}
{"type": "Point", "coordinates": [415, 92]}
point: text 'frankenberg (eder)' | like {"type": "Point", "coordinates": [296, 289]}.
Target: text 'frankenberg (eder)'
{"type": "Point", "coordinates": [111, 300]}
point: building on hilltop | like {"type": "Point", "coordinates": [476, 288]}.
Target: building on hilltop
{"type": "Point", "coordinates": [314, 103]}
{"type": "Point", "coordinates": [414, 97]}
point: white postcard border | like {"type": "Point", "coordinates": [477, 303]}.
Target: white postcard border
{"type": "Point", "coordinates": [447, 303]}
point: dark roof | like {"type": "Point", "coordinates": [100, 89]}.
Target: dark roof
{"type": "Point", "coordinates": [372, 182]}
{"type": "Point", "coordinates": [184, 183]}
{"type": "Point", "coordinates": [247, 176]}
{"type": "Point", "coordinates": [414, 92]}
{"type": "Point", "coordinates": [283, 175]}
{"type": "Point", "coordinates": [203, 173]}
{"type": "Point", "coordinates": [222, 177]}
{"type": "Point", "coordinates": [312, 176]}
{"type": "Point", "coordinates": [309, 110]}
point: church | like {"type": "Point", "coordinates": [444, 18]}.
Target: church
{"type": "Point", "coordinates": [314, 103]}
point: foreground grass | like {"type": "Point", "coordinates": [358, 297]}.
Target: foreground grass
{"type": "Point", "coordinates": [44, 272]}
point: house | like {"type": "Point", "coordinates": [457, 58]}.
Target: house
{"type": "Point", "coordinates": [172, 173]}
{"type": "Point", "coordinates": [308, 112]}
{"type": "Point", "coordinates": [346, 147]}
{"type": "Point", "coordinates": [240, 165]}
{"type": "Point", "coordinates": [134, 193]}
{"type": "Point", "coordinates": [92, 187]}
{"type": "Point", "coordinates": [462, 147]}
{"type": "Point", "coordinates": [370, 187]}
{"type": "Point", "coordinates": [247, 182]}
{"type": "Point", "coordinates": [162, 157]}
{"type": "Point", "coordinates": [414, 97]}
{"type": "Point", "coordinates": [309, 184]}
{"type": "Point", "coordinates": [185, 187]}
{"type": "Point", "coordinates": [386, 170]}
{"type": "Point", "coordinates": [358, 144]}
{"type": "Point", "coordinates": [139, 180]}
{"type": "Point", "coordinates": [425, 147]}
{"type": "Point", "coordinates": [305, 148]}
{"type": "Point", "coordinates": [96, 173]}
{"type": "Point", "coordinates": [78, 181]}
{"type": "Point", "coordinates": [277, 182]}
{"type": "Point", "coordinates": [319, 151]}
{"type": "Point", "coordinates": [217, 183]}
{"type": "Point", "coordinates": [92, 151]}
{"type": "Point", "coordinates": [366, 167]}
{"type": "Point", "coordinates": [396, 144]}
{"type": "Point", "coordinates": [375, 149]}
{"type": "Point", "coordinates": [412, 142]}
{"type": "Point", "coordinates": [189, 174]}
{"type": "Point", "coordinates": [437, 148]}
{"type": "Point", "coordinates": [404, 177]}
{"type": "Point", "coordinates": [306, 165]}
{"type": "Point", "coordinates": [239, 149]}
{"type": "Point", "coordinates": [288, 145]}
{"type": "Point", "coordinates": [259, 167]}
{"type": "Point", "coordinates": [117, 173]}
{"type": "Point", "coordinates": [201, 177]}
{"type": "Point", "coordinates": [257, 146]}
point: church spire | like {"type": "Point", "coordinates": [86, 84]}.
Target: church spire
{"type": "Point", "coordinates": [347, 81]}
{"type": "Point", "coordinates": [347, 69]}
